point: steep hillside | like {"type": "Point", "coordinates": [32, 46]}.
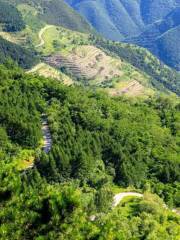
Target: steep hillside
{"type": "Point", "coordinates": [155, 10]}
{"type": "Point", "coordinates": [21, 21]}
{"type": "Point", "coordinates": [161, 38]}
{"type": "Point", "coordinates": [10, 18]}
{"type": "Point", "coordinates": [169, 49]}
{"type": "Point", "coordinates": [25, 58]}
{"type": "Point", "coordinates": [161, 74]}
{"type": "Point", "coordinates": [100, 146]}
{"type": "Point", "coordinates": [138, 22]}
{"type": "Point", "coordinates": [75, 55]}
{"type": "Point", "coordinates": [113, 19]}
{"type": "Point", "coordinates": [79, 58]}
{"type": "Point", "coordinates": [55, 12]}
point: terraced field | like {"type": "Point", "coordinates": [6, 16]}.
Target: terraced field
{"type": "Point", "coordinates": [133, 88]}
{"type": "Point", "coordinates": [72, 53]}
{"type": "Point", "coordinates": [88, 62]}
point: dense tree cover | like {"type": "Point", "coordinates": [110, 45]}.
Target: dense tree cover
{"type": "Point", "coordinates": [130, 143]}
{"type": "Point", "coordinates": [18, 109]}
{"type": "Point", "coordinates": [10, 18]}
{"type": "Point", "coordinates": [96, 141]}
{"type": "Point", "coordinates": [142, 59]}
{"type": "Point", "coordinates": [24, 57]}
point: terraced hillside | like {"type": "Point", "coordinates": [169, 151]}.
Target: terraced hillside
{"type": "Point", "coordinates": [88, 62]}
{"type": "Point", "coordinates": [71, 56]}
{"type": "Point", "coordinates": [74, 54]}
{"type": "Point", "coordinates": [162, 76]}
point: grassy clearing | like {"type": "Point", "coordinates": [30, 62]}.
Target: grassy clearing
{"type": "Point", "coordinates": [117, 189]}
{"type": "Point", "coordinates": [58, 39]}
{"type": "Point", "coordinates": [45, 70]}
{"type": "Point", "coordinates": [24, 159]}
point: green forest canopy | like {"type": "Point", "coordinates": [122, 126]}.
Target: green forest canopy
{"type": "Point", "coordinates": [97, 141]}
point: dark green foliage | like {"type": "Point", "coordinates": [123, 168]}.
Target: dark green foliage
{"type": "Point", "coordinates": [97, 139]}
{"type": "Point", "coordinates": [18, 109]}
{"type": "Point", "coordinates": [10, 18]}
{"type": "Point", "coordinates": [24, 57]}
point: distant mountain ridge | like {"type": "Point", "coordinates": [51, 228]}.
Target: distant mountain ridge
{"type": "Point", "coordinates": [141, 22]}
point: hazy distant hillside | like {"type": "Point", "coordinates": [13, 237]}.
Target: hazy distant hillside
{"type": "Point", "coordinates": [114, 19]}
{"type": "Point", "coordinates": [161, 38]}
{"type": "Point", "coordinates": [142, 22]}
{"type": "Point", "coordinates": [56, 12]}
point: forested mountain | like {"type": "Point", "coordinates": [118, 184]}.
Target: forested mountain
{"type": "Point", "coordinates": [10, 18]}
{"type": "Point", "coordinates": [55, 12]}
{"type": "Point", "coordinates": [98, 141]}
{"type": "Point", "coordinates": [146, 23]}
{"type": "Point", "coordinates": [89, 128]}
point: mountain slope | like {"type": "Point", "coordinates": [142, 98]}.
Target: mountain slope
{"type": "Point", "coordinates": [161, 74]}
{"type": "Point", "coordinates": [55, 12]}
{"type": "Point", "coordinates": [79, 57]}
{"type": "Point", "coordinates": [139, 22]}
{"type": "Point", "coordinates": [100, 146]}
{"type": "Point", "coordinates": [161, 38]}
{"type": "Point", "coordinates": [24, 57]}
{"type": "Point", "coordinates": [111, 18]}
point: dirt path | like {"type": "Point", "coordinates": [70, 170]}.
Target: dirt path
{"type": "Point", "coordinates": [46, 135]}
{"type": "Point", "coordinates": [119, 197]}
{"type": "Point", "coordinates": [42, 42]}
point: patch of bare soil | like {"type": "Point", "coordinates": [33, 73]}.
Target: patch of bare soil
{"type": "Point", "coordinates": [88, 62]}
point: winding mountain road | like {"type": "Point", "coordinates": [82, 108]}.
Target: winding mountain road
{"type": "Point", "coordinates": [42, 31]}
